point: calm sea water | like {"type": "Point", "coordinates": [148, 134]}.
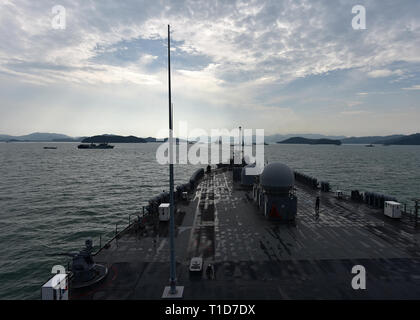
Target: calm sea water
{"type": "Point", "coordinates": [51, 201]}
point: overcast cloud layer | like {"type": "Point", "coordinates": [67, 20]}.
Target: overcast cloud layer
{"type": "Point", "coordinates": [284, 66]}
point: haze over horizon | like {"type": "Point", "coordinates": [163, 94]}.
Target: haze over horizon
{"type": "Point", "coordinates": [283, 66]}
{"type": "Point", "coordinates": [297, 134]}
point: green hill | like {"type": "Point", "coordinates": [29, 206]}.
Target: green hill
{"type": "Point", "coordinates": [300, 140]}
{"type": "Point", "coordinates": [370, 139]}
{"type": "Point", "coordinates": [113, 139]}
{"type": "Point", "coordinates": [413, 139]}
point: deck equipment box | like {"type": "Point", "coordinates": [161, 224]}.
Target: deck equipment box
{"type": "Point", "coordinates": [392, 209]}
{"type": "Point", "coordinates": [164, 213]}
{"type": "Point", "coordinates": [56, 288]}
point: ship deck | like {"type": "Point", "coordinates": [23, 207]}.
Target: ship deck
{"type": "Point", "coordinates": [256, 258]}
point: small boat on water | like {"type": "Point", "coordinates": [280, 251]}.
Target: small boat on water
{"type": "Point", "coordinates": [50, 148]}
{"type": "Point", "coordinates": [104, 145]}
{"type": "Point", "coordinates": [369, 145]}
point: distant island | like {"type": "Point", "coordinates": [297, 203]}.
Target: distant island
{"type": "Point", "coordinates": [396, 139]}
{"type": "Point", "coordinates": [300, 140]}
{"type": "Point", "coordinates": [410, 140]}
{"type": "Point", "coordinates": [117, 139]}
{"type": "Point", "coordinates": [370, 139]}
{"type": "Point", "coordinates": [40, 137]}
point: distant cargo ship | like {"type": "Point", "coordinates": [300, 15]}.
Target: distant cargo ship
{"type": "Point", "coordinates": [95, 146]}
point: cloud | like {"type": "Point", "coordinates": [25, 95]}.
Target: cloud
{"type": "Point", "coordinates": [227, 55]}
{"type": "Point", "coordinates": [380, 73]}
{"type": "Point", "coordinates": [354, 112]}
{"type": "Point", "coordinates": [414, 87]}
{"type": "Point", "coordinates": [353, 103]}
{"type": "Point", "coordinates": [247, 41]}
{"type": "Point", "coordinates": [147, 59]}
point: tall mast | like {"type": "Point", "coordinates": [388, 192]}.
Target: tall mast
{"type": "Point", "coordinates": [171, 174]}
{"type": "Point", "coordinates": [172, 290]}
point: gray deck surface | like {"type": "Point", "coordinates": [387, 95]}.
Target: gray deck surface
{"type": "Point", "coordinates": [256, 258]}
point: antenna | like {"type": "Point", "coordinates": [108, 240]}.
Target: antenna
{"type": "Point", "coordinates": [241, 144]}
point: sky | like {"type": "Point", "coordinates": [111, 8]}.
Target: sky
{"type": "Point", "coordinates": [291, 66]}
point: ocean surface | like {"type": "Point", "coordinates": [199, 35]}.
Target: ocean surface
{"type": "Point", "coordinates": [51, 201]}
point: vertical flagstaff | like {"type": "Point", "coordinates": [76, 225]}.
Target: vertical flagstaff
{"type": "Point", "coordinates": [172, 291]}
